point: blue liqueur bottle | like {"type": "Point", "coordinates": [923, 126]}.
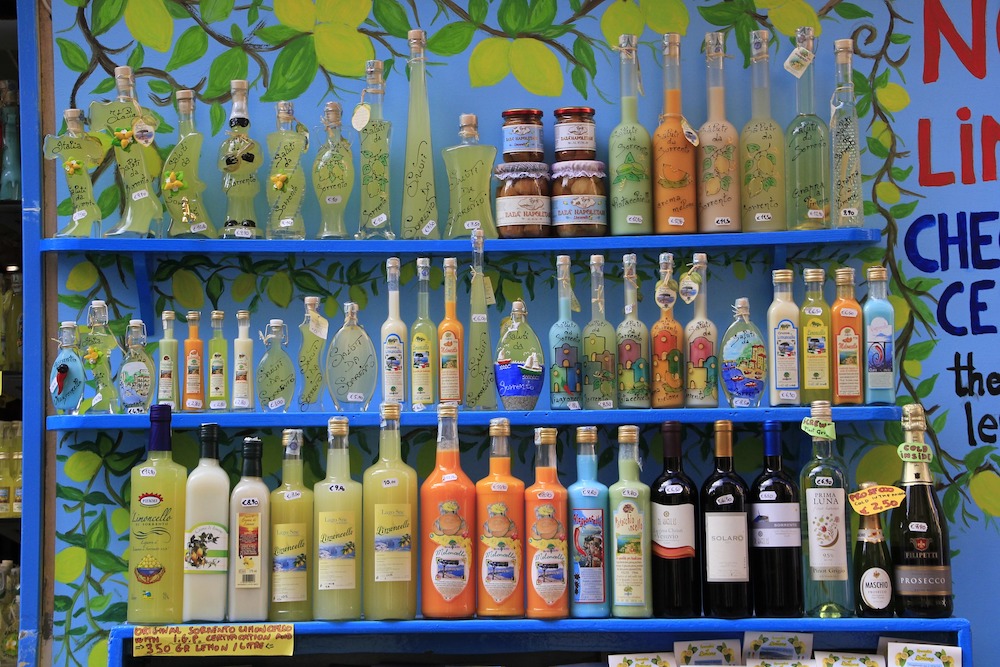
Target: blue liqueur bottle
{"type": "Point", "coordinates": [588, 517]}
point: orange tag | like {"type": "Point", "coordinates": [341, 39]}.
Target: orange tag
{"type": "Point", "coordinates": [876, 499]}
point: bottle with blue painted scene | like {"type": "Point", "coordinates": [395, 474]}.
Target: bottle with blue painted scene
{"type": "Point", "coordinates": [879, 319]}
{"type": "Point", "coordinates": [588, 516]}
{"type": "Point", "coordinates": [66, 381]}
{"type": "Point", "coordinates": [565, 380]}
{"type": "Point", "coordinates": [744, 359]}
{"type": "Point", "coordinates": [520, 362]}
{"type": "Point", "coordinates": [135, 377]}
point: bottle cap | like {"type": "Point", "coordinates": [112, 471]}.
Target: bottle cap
{"type": "Point", "coordinates": [193, 315]}
{"type": "Point", "coordinates": [666, 258]}
{"type": "Point", "coordinates": [820, 410]}
{"type": "Point", "coordinates": [562, 260]}
{"type": "Point", "coordinates": [877, 273]}
{"type": "Point", "coordinates": [574, 111]}
{"type": "Point", "coordinates": [417, 37]}
{"type": "Point", "coordinates": [772, 425]}
{"type": "Point", "coordinates": [286, 111]}
{"type": "Point", "coordinates": [239, 85]}
{"type": "Point", "coordinates": [276, 323]}
{"type": "Point", "coordinates": [813, 275]}
{"type": "Point", "coordinates": [392, 263]}
{"type": "Point", "coordinates": [333, 113]}
{"type": "Point", "coordinates": [185, 94]}
{"type": "Point", "coordinates": [742, 305]}
{"type": "Point", "coordinates": [312, 301]}
{"type": "Point", "coordinates": [914, 418]}
{"type": "Point", "coordinates": [123, 72]}
{"type": "Point", "coordinates": [715, 44]}
{"type": "Point", "coordinates": [627, 41]}
{"type": "Point", "coordinates": [805, 37]}
{"type": "Point", "coordinates": [168, 316]}
{"type": "Point", "coordinates": [758, 44]}
{"type": "Point", "coordinates": [97, 303]}
{"type": "Point", "coordinates": [782, 276]}
{"type": "Point", "coordinates": [468, 120]}
{"type": "Point", "coordinates": [67, 325]}
{"type": "Point", "coordinates": [390, 411]}
{"type": "Point", "coordinates": [73, 114]}
{"type": "Point", "coordinates": [243, 314]}
{"type": "Point", "coordinates": [844, 276]}
{"type": "Point", "coordinates": [208, 434]}
{"type": "Point", "coordinates": [723, 425]}
{"type": "Point", "coordinates": [586, 435]}
{"type": "Point", "coordinates": [448, 410]}
{"type": "Point", "coordinates": [423, 262]}
{"type": "Point", "coordinates": [372, 66]}
{"type": "Point", "coordinates": [844, 50]}
{"type": "Point", "coordinates": [521, 112]}
{"type": "Point", "coordinates": [337, 426]}
{"type": "Point", "coordinates": [700, 258]}
{"type": "Point", "coordinates": [252, 447]}
{"type": "Point", "coordinates": [291, 441]}
{"type": "Point", "coordinates": [670, 427]}
{"type": "Point", "coordinates": [597, 260]}
{"type": "Point", "coordinates": [218, 315]}
{"type": "Point", "coordinates": [671, 43]}
{"type": "Point", "coordinates": [545, 436]}
{"type": "Point", "coordinates": [135, 323]}
{"type": "Point", "coordinates": [628, 433]}
{"type": "Point", "coordinates": [518, 307]}
{"type": "Point", "coordinates": [159, 413]}
{"type": "Point", "coordinates": [450, 263]}
{"type": "Point", "coordinates": [500, 426]}
{"type": "Point", "coordinates": [351, 309]}
{"type": "Point", "coordinates": [629, 258]}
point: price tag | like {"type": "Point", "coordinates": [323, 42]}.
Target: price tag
{"type": "Point", "coordinates": [630, 493]}
{"type": "Point", "coordinates": [634, 219]}
{"type": "Point", "coordinates": [672, 489]}
{"type": "Point", "coordinates": [811, 310]}
{"type": "Point", "coordinates": [379, 219]}
{"type": "Point", "coordinates": [816, 214]}
{"type": "Point", "coordinates": [798, 61]}
{"type": "Point", "coordinates": [292, 495]}
{"type": "Point", "coordinates": [147, 472]}
{"type": "Point", "coordinates": [472, 224]}
{"type": "Point", "coordinates": [199, 227]}
{"type": "Point", "coordinates": [740, 402]}
{"type": "Point", "coordinates": [276, 403]}
{"type": "Point", "coordinates": [334, 199]}
{"type": "Point", "coordinates": [675, 221]}
{"type": "Point", "coordinates": [725, 500]}
{"type": "Point", "coordinates": [606, 404]}
{"type": "Point", "coordinates": [574, 303]}
{"type": "Point", "coordinates": [336, 488]}
{"type": "Point", "coordinates": [318, 325]}
{"type": "Point", "coordinates": [362, 114]}
{"type": "Point", "coordinates": [690, 285]}
{"type": "Point", "coordinates": [629, 308]}
{"type": "Point", "coordinates": [79, 215]}
{"type": "Point", "coordinates": [428, 228]}
{"type": "Point", "coordinates": [819, 428]}
{"type": "Point", "coordinates": [241, 402]}
{"type": "Point", "coordinates": [355, 397]}
{"type": "Point", "coordinates": [666, 294]}
{"type": "Point", "coordinates": [589, 493]}
{"type": "Point", "coordinates": [390, 482]}
{"type": "Point", "coordinates": [573, 405]}
{"type": "Point", "coordinates": [217, 405]}
{"type": "Point", "coordinates": [491, 297]}
{"type": "Point", "coordinates": [419, 407]}
{"type": "Point", "coordinates": [256, 639]}
{"type": "Point", "coordinates": [286, 222]}
{"type": "Point", "coordinates": [449, 477]}
{"type": "Point", "coordinates": [479, 317]}
{"type": "Point", "coordinates": [498, 486]}
{"type": "Point", "coordinates": [848, 212]}
{"type": "Point", "coordinates": [689, 133]}
{"type": "Point", "coordinates": [915, 452]}
{"type": "Point", "coordinates": [763, 217]}
{"type": "Point", "coordinates": [876, 499]}
{"type": "Point", "coordinates": [546, 495]}
{"type": "Point", "coordinates": [243, 233]}
{"type": "Point", "coordinates": [140, 195]}
{"type": "Point", "coordinates": [193, 404]}
{"type": "Point", "coordinates": [53, 386]}
{"type": "Point", "coordinates": [723, 222]}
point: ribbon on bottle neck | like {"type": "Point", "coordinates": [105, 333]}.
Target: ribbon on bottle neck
{"type": "Point", "coordinates": [632, 53]}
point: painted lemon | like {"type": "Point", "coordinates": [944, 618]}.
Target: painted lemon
{"type": "Point", "coordinates": [622, 17]}
{"type": "Point", "coordinates": [754, 187]}
{"type": "Point", "coordinates": [722, 164]}
{"type": "Point", "coordinates": [713, 186]}
{"type": "Point", "coordinates": [765, 166]}
{"type": "Point", "coordinates": [880, 464]}
{"type": "Point", "coordinates": [985, 491]}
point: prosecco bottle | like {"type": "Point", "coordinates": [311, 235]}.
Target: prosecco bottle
{"type": "Point", "coordinates": [872, 568]}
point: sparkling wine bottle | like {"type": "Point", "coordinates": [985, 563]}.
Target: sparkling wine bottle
{"type": "Point", "coordinates": [873, 572]}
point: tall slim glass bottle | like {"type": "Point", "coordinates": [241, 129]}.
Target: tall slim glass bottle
{"type": "Point", "coordinates": [97, 345]}
{"type": "Point", "coordinates": [240, 157]}
{"type": "Point", "coordinates": [744, 359]}
{"type": "Point", "coordinates": [333, 175]}
{"type": "Point", "coordinates": [762, 149]}
{"type": "Point", "coordinates": [79, 152]}
{"type": "Point", "coordinates": [589, 519]}
{"type": "Point", "coordinates": [701, 338]}
{"type": "Point", "coordinates": [846, 325]}
{"type": "Point", "coordinates": [420, 211]}
{"type": "Point", "coordinates": [565, 383]}
{"type": "Point", "coordinates": [291, 537]}
{"type": "Point", "coordinates": [351, 364]}
{"type": "Point", "coordinates": [631, 195]}
{"type": "Point", "coordinates": [275, 375]}
{"type": "Point", "coordinates": [287, 181]}
{"type": "Point", "coordinates": [181, 187]}
{"type": "Point", "coordinates": [667, 342]}
{"type": "Point", "coordinates": [194, 366]}
{"type": "Point", "coordinates": [807, 151]}
{"type": "Point", "coordinates": [814, 341]}
{"type": "Point", "coordinates": [135, 377]}
{"type": "Point", "coordinates": [628, 498]}
{"type": "Point", "coordinates": [14, 320]}
{"type": "Point", "coordinates": [480, 380]}
{"type": "Point", "coordinates": [66, 381]}
{"type": "Point", "coordinates": [250, 540]}
{"type": "Point", "coordinates": [879, 319]}
{"type": "Point", "coordinates": [314, 330]}
{"type": "Point", "coordinates": [633, 345]}
{"type": "Point", "coordinates": [168, 387]}
{"type": "Point", "coordinates": [218, 366]}
{"type": "Point", "coordinates": [469, 166]}
{"type": "Point", "coordinates": [451, 342]}
{"type": "Point", "coordinates": [873, 571]}
{"type": "Point", "coordinates": [394, 338]}
{"type": "Point", "coordinates": [243, 393]}
{"type": "Point", "coordinates": [545, 512]}
{"type": "Point", "coordinates": [375, 137]}
{"type": "Point", "coordinates": [423, 344]}
{"type": "Point", "coordinates": [783, 342]}
{"type": "Point", "coordinates": [718, 163]}
{"type": "Point", "coordinates": [674, 152]}
{"type": "Point", "coordinates": [847, 208]}
{"type": "Point", "coordinates": [600, 359]}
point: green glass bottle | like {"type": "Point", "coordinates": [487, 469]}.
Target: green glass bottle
{"type": "Point", "coordinates": [469, 165]}
{"type": "Point", "coordinates": [239, 159]}
{"type": "Point", "coordinates": [375, 137]}
{"type": "Point", "coordinates": [79, 152]}
{"type": "Point", "coordinates": [333, 175]}
{"type": "Point", "coordinates": [97, 345]}
{"type": "Point", "coordinates": [420, 210]}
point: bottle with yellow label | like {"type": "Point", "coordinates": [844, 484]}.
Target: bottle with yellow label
{"type": "Point", "coordinates": [291, 537]}
{"type": "Point", "coordinates": [545, 521]}
{"type": "Point", "coordinates": [814, 345]}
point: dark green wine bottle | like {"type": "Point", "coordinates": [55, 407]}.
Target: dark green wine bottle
{"type": "Point", "coordinates": [872, 568]}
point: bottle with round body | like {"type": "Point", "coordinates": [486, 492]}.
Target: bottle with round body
{"type": "Point", "coordinates": [469, 166]}
{"type": "Point", "coordinates": [600, 358]}
{"type": "Point", "coordinates": [520, 362]}
{"type": "Point", "coordinates": [333, 175]}
{"type": "Point", "coordinates": [631, 194]}
{"type": "Point", "coordinates": [762, 149]}
{"type": "Point", "coordinates": [240, 157]}
{"type": "Point", "coordinates": [880, 362]}
{"type": "Point", "coordinates": [588, 520]}
{"type": "Point", "coordinates": [291, 537]}
{"type": "Point", "coordinates": [744, 359]}
{"type": "Point", "coordinates": [351, 366]}
{"type": "Point", "coordinates": [97, 345]}
{"type": "Point", "coordinates": [546, 557]}
{"type": "Point", "coordinates": [79, 152]}
{"type": "Point", "coordinates": [628, 499]}
{"type": "Point", "coordinates": [846, 325]}
{"type": "Point", "coordinates": [873, 571]}
{"type": "Point", "coordinates": [250, 540]}
{"type": "Point", "coordinates": [783, 342]}
{"type": "Point", "coordinates": [565, 382]}
{"type": "Point", "coordinates": [181, 187]}
{"type": "Point", "coordinates": [807, 152]}
{"type": "Point", "coordinates": [675, 152]}
{"type": "Point", "coordinates": [375, 138]}
{"type": "Point", "coordinates": [66, 381]}
{"type": "Point", "coordinates": [633, 345]}
{"type": "Point", "coordinates": [718, 164]}
{"type": "Point", "coordinates": [287, 181]}
{"type": "Point", "coordinates": [314, 330]}
{"type": "Point", "coordinates": [814, 341]}
{"type": "Point", "coordinates": [275, 377]}
{"type": "Point", "coordinates": [135, 377]}
{"type": "Point", "coordinates": [419, 211]}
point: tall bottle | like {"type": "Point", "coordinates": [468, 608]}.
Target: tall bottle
{"type": "Point", "coordinates": [588, 519]}
{"type": "Point", "coordinates": [814, 340]}
{"type": "Point", "coordinates": [775, 534]}
{"type": "Point", "coordinates": [500, 521]}
{"type": "Point", "coordinates": [156, 548]}
{"type": "Point", "coordinates": [333, 175]}
{"type": "Point", "coordinates": [807, 151]}
{"type": "Point", "coordinates": [631, 194]}
{"type": "Point", "coordinates": [194, 366]}
{"type": "Point", "coordinates": [565, 383]}
{"type": "Point", "coordinates": [469, 166]}
{"type": "Point", "coordinates": [744, 359]}
{"type": "Point", "coordinates": [783, 342]}
{"type": "Point", "coordinates": [66, 381]}
{"type": "Point", "coordinates": [724, 495]}
{"type": "Point", "coordinates": [675, 557]}
{"type": "Point", "coordinates": [879, 319]}
{"type": "Point", "coordinates": [545, 526]}
{"type": "Point", "coordinates": [847, 209]}
{"type": "Point", "coordinates": [243, 394]}
{"type": "Point", "coordinates": [337, 531]}
{"type": "Point", "coordinates": [873, 572]}
{"type": "Point", "coordinates": [762, 149]}
{"type": "Point", "coordinates": [633, 345]}
{"type": "Point", "coordinates": [15, 324]}
{"type": "Point", "coordinates": [825, 528]}
{"type": "Point", "coordinates": [314, 329]}
{"type": "Point", "coordinates": [420, 211]}
{"type": "Point", "coordinates": [291, 537]}
{"type": "Point", "coordinates": [919, 535]}
{"type": "Point", "coordinates": [667, 344]}
{"type": "Point", "coordinates": [218, 365]}
{"type": "Point", "coordinates": [250, 540]}
{"type": "Point", "coordinates": [287, 181]}
{"type": "Point", "coordinates": [10, 169]}
{"type": "Point", "coordinates": [351, 364]}
{"type": "Point", "coordinates": [181, 187]}
{"type": "Point", "coordinates": [79, 152]}
{"type": "Point", "coordinates": [97, 345]}
{"type": "Point", "coordinates": [718, 164]}
{"type": "Point", "coordinates": [628, 498]}
{"type": "Point", "coordinates": [275, 376]}
{"type": "Point", "coordinates": [168, 386]}
{"type": "Point", "coordinates": [846, 327]}
{"type": "Point", "coordinates": [135, 377]}
{"type": "Point", "coordinates": [394, 339]}
{"type": "Point", "coordinates": [520, 365]}
{"type": "Point", "coordinates": [390, 515]}
{"type": "Point", "coordinates": [480, 380]}
{"type": "Point", "coordinates": [451, 342]}
{"type": "Point", "coordinates": [600, 358]}
{"type": "Point", "coordinates": [701, 338]}
{"type": "Point", "coordinates": [239, 159]}
{"type": "Point", "coordinates": [375, 136]}
{"type": "Point", "coordinates": [423, 344]}
{"type": "Point", "coordinates": [674, 152]}
{"type": "Point", "coordinates": [206, 534]}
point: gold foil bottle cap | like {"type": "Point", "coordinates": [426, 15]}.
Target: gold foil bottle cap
{"type": "Point", "coordinates": [844, 276]}
{"type": "Point", "coordinates": [877, 273]}
{"type": "Point", "coordinates": [338, 426]}
{"type": "Point", "coordinates": [545, 436]}
{"type": "Point", "coordinates": [628, 433]}
{"type": "Point", "coordinates": [390, 411]}
{"type": "Point", "coordinates": [168, 315]}
{"type": "Point", "coordinates": [914, 418]}
{"type": "Point", "coordinates": [218, 314]}
{"type": "Point", "coordinates": [782, 276]}
{"type": "Point", "coordinates": [586, 435]}
{"type": "Point", "coordinates": [448, 410]}
{"type": "Point", "coordinates": [814, 275]}
{"type": "Point", "coordinates": [500, 426]}
{"type": "Point", "coordinates": [724, 425]}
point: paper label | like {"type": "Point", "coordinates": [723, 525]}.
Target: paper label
{"type": "Point", "coordinates": [840, 659]}
{"type": "Point", "coordinates": [579, 210]}
{"type": "Point", "coordinates": [786, 359]}
{"type": "Point", "coordinates": [206, 549]}
{"type": "Point", "coordinates": [798, 61]}
{"type": "Point", "coordinates": [333, 199]}
{"type": "Point", "coordinates": [393, 353]}
{"type": "Point", "coordinates": [642, 660]}
{"type": "Point", "coordinates": [379, 219]}
{"type": "Point", "coordinates": [628, 524]}
{"type": "Point", "coordinates": [589, 560]}
{"type": "Point", "coordinates": [201, 641]}
{"type": "Point", "coordinates": [575, 137]}
{"type": "Point", "coordinates": [910, 654]}
{"type": "Point", "coordinates": [362, 114]}
{"type": "Point", "coordinates": [472, 224]}
{"type": "Point", "coordinates": [634, 219]}
{"type": "Point", "coordinates": [915, 452]}
{"type": "Point", "coordinates": [276, 403]}
{"type": "Point", "coordinates": [875, 588]}
{"type": "Point", "coordinates": [876, 499]}
{"type": "Point", "coordinates": [879, 355]}
{"type": "Point", "coordinates": [393, 541]}
{"type": "Point", "coordinates": [775, 525]}
{"type": "Point", "coordinates": [140, 195]}
{"type": "Point", "coordinates": [523, 210]}
{"type": "Point", "coordinates": [828, 534]}
{"type": "Point", "coordinates": [819, 428]}
{"type": "Point", "coordinates": [450, 367]}
{"type": "Point", "coordinates": [479, 317]}
{"type": "Point", "coordinates": [289, 554]}
{"type": "Point", "coordinates": [451, 557]}
{"type": "Point", "coordinates": [243, 233]}
{"type": "Point", "coordinates": [337, 539]}
{"type": "Point", "coordinates": [785, 647]}
{"type": "Point", "coordinates": [847, 363]}
{"type": "Point", "coordinates": [500, 568]}
{"type": "Point", "coordinates": [522, 138]}
{"type": "Point", "coordinates": [708, 652]}
{"type": "Point", "coordinates": [816, 367]}
{"type": "Point", "coordinates": [286, 222]}
{"type": "Point", "coordinates": [248, 564]}
{"type": "Point", "coordinates": [428, 228]}
{"type": "Point", "coordinates": [491, 298]}
{"type": "Point", "coordinates": [79, 215]}
{"type": "Point", "coordinates": [318, 325]}
{"type": "Point", "coordinates": [726, 548]}
{"type": "Point", "coordinates": [421, 369]}
{"type": "Point", "coordinates": [675, 221]}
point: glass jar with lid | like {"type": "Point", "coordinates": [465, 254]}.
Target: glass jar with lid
{"type": "Point", "coordinates": [575, 134]}
{"type": "Point", "coordinates": [522, 135]}
{"type": "Point", "coordinates": [579, 199]}
{"type": "Point", "coordinates": [522, 200]}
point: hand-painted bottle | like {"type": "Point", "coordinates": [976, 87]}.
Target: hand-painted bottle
{"type": "Point", "coordinates": [588, 522]}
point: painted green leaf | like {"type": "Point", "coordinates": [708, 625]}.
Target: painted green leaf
{"type": "Point", "coordinates": [579, 78]}
{"type": "Point", "coordinates": [541, 16]}
{"type": "Point", "coordinates": [901, 174]}
{"type": "Point", "coordinates": [939, 422]}
{"type": "Point", "coordinates": [236, 33]}
{"type": "Point", "coordinates": [231, 64]}
{"type": "Point", "coordinates": [920, 351]}
{"type": "Point", "coordinates": [489, 62]}
{"type": "Point", "coordinates": [926, 387]}
{"type": "Point", "coordinates": [584, 52]}
{"type": "Point", "coordinates": [104, 14]}
{"type": "Point", "coordinates": [160, 87]}
{"type": "Point", "coordinates": [279, 289]}
{"type": "Point", "coordinates": [117, 612]}
{"type": "Point", "coordinates": [721, 14]}
{"type": "Point", "coordinates": [478, 9]}
{"type": "Point", "coordinates": [70, 493]}
{"type": "Point", "coordinates": [536, 67]}
{"type": "Point", "coordinates": [151, 24]}
{"type": "Point", "coordinates": [213, 289]}
{"type": "Point", "coordinates": [452, 39]}
{"type": "Point", "coordinates": [848, 10]}
{"type": "Point", "coordinates": [104, 86]}
{"type": "Point", "coordinates": [72, 55]}
{"type": "Point", "coordinates": [106, 561]}
{"type": "Point", "coordinates": [178, 10]}
{"type": "Point", "coordinates": [307, 282]}
{"type": "Point", "coordinates": [882, 79]}
{"type": "Point", "coordinates": [98, 498]}
{"type": "Point", "coordinates": [512, 16]}
{"type": "Point", "coordinates": [187, 289]}
{"type": "Point", "coordinates": [65, 207]}
{"type": "Point", "coordinates": [900, 211]}
{"type": "Point", "coordinates": [870, 208]}
{"type": "Point", "coordinates": [97, 533]}
{"type": "Point", "coordinates": [62, 603]}
{"type": "Point", "coordinates": [213, 11]}
{"type": "Point", "coordinates": [276, 34]}
{"type": "Point", "coordinates": [554, 31]}
{"type": "Point", "coordinates": [391, 16]}
{"type": "Point", "coordinates": [876, 148]}
{"type": "Point", "coordinates": [294, 69]}
{"type": "Point", "coordinates": [191, 46]}
{"type": "Point", "coordinates": [74, 301]}
{"type": "Point", "coordinates": [136, 58]}
{"type": "Point", "coordinates": [218, 117]}
{"type": "Point", "coordinates": [99, 602]}
{"type": "Point", "coordinates": [860, 81]}
{"type": "Point", "coordinates": [358, 295]}
{"type": "Point", "coordinates": [899, 38]}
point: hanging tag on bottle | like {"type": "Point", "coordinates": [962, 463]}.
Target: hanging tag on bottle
{"type": "Point", "coordinates": [362, 114]}
{"type": "Point", "coordinates": [689, 132]}
{"type": "Point", "coordinates": [819, 428]}
{"type": "Point", "coordinates": [915, 452]}
{"type": "Point", "coordinates": [491, 297]}
{"type": "Point", "coordinates": [876, 499]}
{"type": "Point", "coordinates": [574, 303]}
{"type": "Point", "coordinates": [666, 294]}
{"type": "Point", "coordinates": [144, 129]}
{"type": "Point", "coordinates": [690, 285]}
{"type": "Point", "coordinates": [799, 61]}
{"type": "Point", "coordinates": [318, 325]}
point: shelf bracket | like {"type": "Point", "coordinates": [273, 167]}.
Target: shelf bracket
{"type": "Point", "coordinates": [144, 285]}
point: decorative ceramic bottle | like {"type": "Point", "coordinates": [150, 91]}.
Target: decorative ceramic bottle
{"type": "Point", "coordinates": [79, 152]}
{"type": "Point", "coordinates": [181, 187]}
{"type": "Point", "coordinates": [451, 342]}
{"type": "Point", "coordinates": [480, 380]}
{"type": "Point", "coordinates": [287, 181]}
{"type": "Point", "coordinates": [250, 540]}
{"type": "Point", "coordinates": [667, 342]}
{"type": "Point", "coordinates": [394, 338]}
{"type": "Point", "coordinates": [469, 165]}
{"type": "Point", "coordinates": [847, 207]}
{"type": "Point", "coordinates": [744, 359]}
{"type": "Point", "coordinates": [701, 338]}
{"type": "Point", "coordinates": [135, 377]}
{"type": "Point", "coordinates": [240, 157]}
{"type": "Point", "coordinates": [588, 519]}
{"type": "Point", "coordinates": [762, 149]}
{"type": "Point", "coordinates": [243, 372]}
{"type": "Point", "coordinates": [718, 168]}
{"type": "Point", "coordinates": [66, 381]}
{"type": "Point", "coordinates": [314, 330]}
{"type": "Point", "coordinates": [546, 556]}
{"type": "Point", "coordinates": [275, 377]}
{"type": "Point", "coordinates": [631, 566]}
{"type": "Point", "coordinates": [168, 386]}
{"type": "Point", "coordinates": [333, 175]}
{"type": "Point", "coordinates": [423, 344]}
{"type": "Point", "coordinates": [291, 537]}
{"type": "Point", "coordinates": [351, 364]}
{"type": "Point", "coordinates": [807, 151]}
{"type": "Point", "coordinates": [420, 211]}
{"type": "Point", "coordinates": [97, 345]}
{"type": "Point", "coordinates": [631, 196]}
{"type": "Point", "coordinates": [218, 365]}
{"type": "Point", "coordinates": [783, 341]}
{"type": "Point", "coordinates": [674, 152]}
{"type": "Point", "coordinates": [375, 136]}
{"type": "Point", "coordinates": [600, 359]}
{"type": "Point", "coordinates": [565, 381]}
{"type": "Point", "coordinates": [633, 345]}
{"type": "Point", "coordinates": [520, 362]}
{"type": "Point", "coordinates": [879, 318]}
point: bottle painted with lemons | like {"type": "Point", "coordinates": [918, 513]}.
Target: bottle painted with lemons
{"type": "Point", "coordinates": [79, 151]}
{"type": "Point", "coordinates": [287, 181]}
{"type": "Point", "coordinates": [674, 152]}
{"type": "Point", "coordinates": [718, 170]}
{"type": "Point", "coordinates": [631, 195]}
{"type": "Point", "coordinates": [239, 159]}
{"type": "Point", "coordinates": [762, 149]}
{"type": "Point", "coordinates": [314, 329]}
{"type": "Point", "coordinates": [218, 366]}
{"type": "Point", "coordinates": [97, 345]}
{"type": "Point", "coordinates": [291, 537]}
{"type": "Point", "coordinates": [275, 378]}
{"type": "Point", "coordinates": [156, 530]}
{"type": "Point", "coordinates": [423, 344]}
{"type": "Point", "coordinates": [333, 175]}
{"type": "Point", "coordinates": [546, 555]}
{"type": "Point", "coordinates": [182, 189]}
{"type": "Point", "coordinates": [375, 138]}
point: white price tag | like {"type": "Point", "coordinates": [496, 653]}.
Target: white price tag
{"type": "Point", "coordinates": [199, 227]}
{"type": "Point", "coordinates": [286, 222]}
{"type": "Point", "coordinates": [816, 213]}
{"type": "Point", "coordinates": [763, 217]}
{"type": "Point", "coordinates": [419, 407]}
{"type": "Point", "coordinates": [147, 472]}
{"type": "Point", "coordinates": [141, 194]}
{"type": "Point", "coordinates": [472, 224]}
{"type": "Point", "coordinates": [479, 317]}
{"type": "Point", "coordinates": [390, 482]}
{"type": "Point", "coordinates": [243, 233]}
{"type": "Point", "coordinates": [498, 486]}
{"type": "Point", "coordinates": [379, 219]}
{"type": "Point", "coordinates": [217, 405]}
{"type": "Point", "coordinates": [723, 222]}
{"type": "Point", "coordinates": [193, 404]}
{"type": "Point", "coordinates": [79, 215]}
{"type": "Point", "coordinates": [318, 325]}
{"type": "Point", "coordinates": [672, 489]}
{"type": "Point", "coordinates": [606, 404]}
{"type": "Point", "coordinates": [848, 212]}
{"type": "Point", "coordinates": [334, 199]}
{"type": "Point", "coordinates": [97, 399]}
{"type": "Point", "coordinates": [589, 493]}
{"type": "Point", "coordinates": [241, 402]}
{"type": "Point", "coordinates": [336, 488]}
{"type": "Point", "coordinates": [546, 495]}
{"type": "Point", "coordinates": [629, 308]}
{"type": "Point", "coordinates": [428, 228]}
{"type": "Point", "coordinates": [293, 495]}
{"type": "Point", "coordinates": [355, 397]}
{"type": "Point", "coordinates": [276, 403]}
{"type": "Point", "coordinates": [630, 493]}
{"type": "Point", "coordinates": [449, 477]}
{"type": "Point", "coordinates": [675, 221]}
{"type": "Point", "coordinates": [634, 219]}
{"type": "Point", "coordinates": [53, 386]}
{"type": "Point", "coordinates": [573, 405]}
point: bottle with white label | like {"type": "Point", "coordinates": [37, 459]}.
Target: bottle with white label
{"type": "Point", "coordinates": [815, 341]}
{"type": "Point", "coordinates": [724, 495]}
{"type": "Point", "coordinates": [633, 345]}
{"type": "Point", "coordinates": [206, 534]}
{"type": "Point", "coordinates": [423, 344]}
{"type": "Point", "coordinates": [250, 540]}
{"type": "Point", "coordinates": [275, 378]}
{"type": "Point", "coordinates": [873, 571]}
{"type": "Point", "coordinates": [451, 342]}
{"type": "Point", "coordinates": [825, 528]}
{"type": "Point", "coordinates": [565, 383]}
{"type": "Point", "coordinates": [194, 366]}
{"type": "Point", "coordinates": [545, 516]}
{"type": "Point", "coordinates": [337, 530]}
{"type": "Point", "coordinates": [628, 499]}
{"type": "Point", "coordinates": [480, 381]}
{"type": "Point", "coordinates": [701, 338]}
{"type": "Point", "coordinates": [846, 324]}
{"type": "Point", "coordinates": [783, 341]}
{"type": "Point", "coordinates": [168, 383]}
{"type": "Point", "coordinates": [314, 329]}
{"type": "Point", "coordinates": [243, 394]}
{"type": "Point", "coordinates": [135, 377]}
{"type": "Point", "coordinates": [775, 534]}
{"type": "Point", "coordinates": [218, 366]}
{"type": "Point", "coordinates": [291, 538]}
{"type": "Point", "coordinates": [879, 359]}
{"type": "Point", "coordinates": [600, 358]}
{"type": "Point", "coordinates": [393, 335]}
{"type": "Point", "coordinates": [718, 159]}
{"type": "Point", "coordinates": [588, 518]}
{"type": "Point", "coordinates": [351, 364]}
{"type": "Point", "coordinates": [744, 359]}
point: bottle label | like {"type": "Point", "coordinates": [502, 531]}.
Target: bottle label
{"type": "Point", "coordinates": [674, 531]}
{"type": "Point", "coordinates": [500, 569]}
{"type": "Point", "coordinates": [923, 580]}
{"type": "Point", "coordinates": [289, 553]}
{"type": "Point", "coordinates": [629, 581]}
{"type": "Point", "coordinates": [775, 525]}
{"type": "Point", "coordinates": [18, 503]}
{"type": "Point", "coordinates": [575, 137]}
{"type": "Point", "coordinates": [450, 560]}
{"type": "Point", "coordinates": [786, 357]}
{"type": "Point", "coordinates": [154, 530]}
{"type": "Point", "coordinates": [241, 382]}
{"type": "Point", "coordinates": [393, 541]}
{"type": "Point", "coordinates": [726, 549]}
{"type": "Point", "coordinates": [422, 373]}
{"type": "Point", "coordinates": [523, 210]}
{"type": "Point", "coordinates": [318, 325]}
{"type": "Point", "coordinates": [848, 363]}
{"type": "Point", "coordinates": [875, 588]}
{"type": "Point", "coordinates": [744, 367]}
{"type": "Point", "coordinates": [165, 388]}
{"type": "Point", "coordinates": [579, 210]}
{"type": "Point", "coordinates": [816, 367]}
{"type": "Point", "coordinates": [450, 378]}
{"type": "Point", "coordinates": [588, 556]}
{"type": "Point", "coordinates": [206, 549]}
{"type": "Point", "coordinates": [880, 372]}
{"type": "Point", "coordinates": [337, 540]}
{"type": "Point", "coordinates": [192, 373]}
{"type": "Point", "coordinates": [827, 534]}
{"type": "Point", "coordinates": [4, 500]}
{"type": "Point", "coordinates": [135, 383]}
{"type": "Point", "coordinates": [217, 378]}
{"type": "Point", "coordinates": [547, 537]}
{"type": "Point", "coordinates": [871, 535]}
{"type": "Point", "coordinates": [392, 368]}
{"type": "Point", "coordinates": [522, 138]}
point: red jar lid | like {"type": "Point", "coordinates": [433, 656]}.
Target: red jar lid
{"type": "Point", "coordinates": [521, 112]}
{"type": "Point", "coordinates": [574, 111]}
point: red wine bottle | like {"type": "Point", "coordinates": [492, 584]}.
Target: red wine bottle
{"type": "Point", "coordinates": [872, 568]}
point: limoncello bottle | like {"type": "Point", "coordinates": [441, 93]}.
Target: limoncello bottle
{"type": "Point", "coordinates": [168, 386]}
{"type": "Point", "coordinates": [287, 181]}
{"type": "Point", "coordinates": [182, 189]}
{"type": "Point", "coordinates": [420, 211]}
{"type": "Point", "coordinates": [239, 159]}
{"type": "Point", "coordinates": [600, 359]}
{"type": "Point", "coordinates": [807, 152]}
{"type": "Point", "coordinates": [243, 394]}
{"type": "Point", "coordinates": [333, 175]}
{"type": "Point", "coordinates": [667, 346]}
{"type": "Point", "coordinates": [66, 381]}
{"type": "Point", "coordinates": [314, 329]}
{"type": "Point", "coordinates": [394, 340]}
{"type": "Point", "coordinates": [762, 149]}
{"type": "Point", "coordinates": [375, 138]}
{"type": "Point", "coordinates": [291, 537]}
{"type": "Point", "coordinates": [846, 325]}
{"type": "Point", "coordinates": [97, 345]}
{"type": "Point", "coordinates": [135, 377]}
{"type": "Point", "coordinates": [480, 382]}
{"type": "Point", "coordinates": [79, 152]}
{"type": "Point", "coordinates": [847, 208]}
{"type": "Point", "coordinates": [423, 344]}
{"type": "Point", "coordinates": [218, 365]}
{"type": "Point", "coordinates": [814, 340]}
{"type": "Point", "coordinates": [469, 166]}
{"type": "Point", "coordinates": [565, 381]}
{"type": "Point", "coordinates": [451, 342]}
{"type": "Point", "coordinates": [633, 345]}
{"type": "Point", "coordinates": [275, 378]}
{"type": "Point", "coordinates": [351, 366]}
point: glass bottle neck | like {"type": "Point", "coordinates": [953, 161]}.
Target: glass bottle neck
{"type": "Point", "coordinates": [392, 284]}
{"type": "Point", "coordinates": [193, 330]}
{"type": "Point", "coordinates": [586, 461]}
{"type": "Point", "coordinates": [136, 340]}
{"type": "Point", "coordinates": [243, 327]}
{"type": "Point", "coordinates": [672, 458]}
{"type": "Point", "coordinates": [629, 82]}
{"type": "Point", "coordinates": [375, 94]}
{"type": "Point", "coordinates": [724, 452]}
{"type": "Point", "coordinates": [338, 457]}
{"type": "Point", "coordinates": [286, 124]}
{"type": "Point", "coordinates": [499, 449]}
{"type": "Point", "coordinates": [126, 91]}
{"type": "Point", "coordinates": [814, 291]}
{"type": "Point", "coordinates": [185, 122]}
{"type": "Point", "coordinates": [545, 457]}
{"type": "Point", "coordinates": [783, 292]}
{"type": "Point", "coordinates": [67, 338]}
{"type": "Point", "coordinates": [449, 293]}
{"type": "Point", "coordinates": [423, 299]}
{"type": "Point", "coordinates": [877, 289]}
{"type": "Point", "coordinates": [844, 79]}
{"type": "Point", "coordinates": [761, 89]}
{"type": "Point", "coordinates": [597, 292]}
{"type": "Point", "coordinates": [672, 83]}
{"type": "Point", "coordinates": [628, 461]}
{"type": "Point", "coordinates": [716, 89]}
{"type": "Point", "coordinates": [388, 444]}
{"type": "Point", "coordinates": [805, 103]}
{"type": "Point", "coordinates": [631, 294]}
{"type": "Point", "coordinates": [447, 438]}
{"type": "Point", "coordinates": [468, 137]}
{"type": "Point", "coordinates": [701, 301]}
{"type": "Point", "coordinates": [291, 472]}
{"type": "Point", "coordinates": [845, 292]}
{"type": "Point", "coordinates": [822, 448]}
{"type": "Point", "coordinates": [239, 110]}
{"type": "Point", "coordinates": [565, 291]}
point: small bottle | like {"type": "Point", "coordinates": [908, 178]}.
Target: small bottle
{"type": "Point", "coordinates": [337, 529]}
{"type": "Point", "coordinates": [469, 166]}
{"type": "Point", "coordinates": [633, 345]}
{"type": "Point", "coordinates": [667, 346]}
{"type": "Point", "coordinates": [807, 152]}
{"type": "Point", "coordinates": [291, 538]}
{"type": "Point", "coordinates": [78, 152]}
{"type": "Point", "coordinates": [97, 345]}
{"type": "Point", "coordinates": [394, 339]}
{"type": "Point", "coordinates": [814, 341]}
{"type": "Point", "coordinates": [783, 342]}
{"type": "Point", "coordinates": [206, 534]}
{"type": "Point", "coordinates": [600, 358]}
{"type": "Point", "coordinates": [287, 182]}
{"type": "Point", "coordinates": [628, 498]}
{"type": "Point", "coordinates": [480, 380]}
{"type": "Point", "coordinates": [275, 377]}
{"type": "Point", "coordinates": [589, 519]}
{"type": "Point", "coordinates": [181, 188]}
{"type": "Point", "coordinates": [451, 342]}
{"type": "Point", "coordinates": [873, 572]}
{"type": "Point", "coordinates": [423, 345]}
{"type": "Point", "coordinates": [168, 386]}
{"type": "Point", "coordinates": [718, 163]}
{"type": "Point", "coordinates": [565, 382]}
{"type": "Point", "coordinates": [545, 526]}
{"type": "Point", "coordinates": [240, 157]}
{"type": "Point", "coordinates": [66, 381]}
{"type": "Point", "coordinates": [15, 324]}
{"type": "Point", "coordinates": [243, 394]}
{"type": "Point", "coordinates": [314, 329]}
{"type": "Point", "coordinates": [724, 496]}
{"type": "Point", "coordinates": [135, 377]}
{"type": "Point", "coordinates": [194, 366]}
{"type": "Point", "coordinates": [847, 207]}
{"type": "Point", "coordinates": [375, 136]}
{"type": "Point", "coordinates": [631, 194]}
{"type": "Point", "coordinates": [419, 210]}
{"type": "Point", "coordinates": [744, 359]}
{"type": "Point", "coordinates": [520, 362]}
{"type": "Point", "coordinates": [333, 175]}
{"type": "Point", "coordinates": [351, 366]}
{"type": "Point", "coordinates": [674, 152]}
{"type": "Point", "coordinates": [701, 338]}
{"type": "Point", "coordinates": [250, 540]}
{"type": "Point", "coordinates": [846, 325]}
{"type": "Point", "coordinates": [879, 319]}
{"type": "Point", "coordinates": [218, 366]}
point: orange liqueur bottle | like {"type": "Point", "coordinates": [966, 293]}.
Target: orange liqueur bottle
{"type": "Point", "coordinates": [545, 520]}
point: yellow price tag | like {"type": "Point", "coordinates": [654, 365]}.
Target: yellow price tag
{"type": "Point", "coordinates": [876, 499]}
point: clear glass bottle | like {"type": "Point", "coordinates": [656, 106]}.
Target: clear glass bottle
{"type": "Point", "coordinates": [97, 345]}
{"type": "Point", "coordinates": [807, 151]}
{"type": "Point", "coordinates": [480, 380]}
{"type": "Point", "coordinates": [520, 362]}
{"type": "Point", "coordinates": [291, 537]}
{"type": "Point", "coordinates": [847, 208]}
{"type": "Point", "coordinates": [66, 381]}
{"type": "Point", "coordinates": [314, 330]}
{"type": "Point", "coordinates": [194, 365]}
{"type": "Point", "coordinates": [783, 341]}
{"type": "Point", "coordinates": [814, 342]}
{"type": "Point", "coordinates": [351, 366]}
{"type": "Point", "coordinates": [633, 345]}
{"type": "Point", "coordinates": [375, 137]}
{"type": "Point", "coordinates": [420, 211]}
{"type": "Point", "coordinates": [631, 194]}
{"type": "Point", "coordinates": [674, 152]}
{"type": "Point", "coordinates": [667, 342]}
{"type": "Point", "coordinates": [10, 163]}
{"type": "Point", "coordinates": [762, 149]}
{"type": "Point", "coordinates": [333, 175]}
{"type": "Point", "coordinates": [701, 338]}
{"type": "Point", "coordinates": [275, 377]}
{"type": "Point", "coordinates": [78, 152]}
{"type": "Point", "coordinates": [744, 359]}
{"type": "Point", "coordinates": [243, 393]}
{"type": "Point", "coordinates": [287, 181]}
{"type": "Point", "coordinates": [469, 166]}
{"type": "Point", "coordinates": [547, 555]}
{"type": "Point", "coordinates": [718, 163]}
{"type": "Point", "coordinates": [394, 340]}
{"type": "Point", "coordinates": [181, 187]}
{"type": "Point", "coordinates": [218, 365]}
{"type": "Point", "coordinates": [135, 377]}
{"type": "Point", "coordinates": [168, 386]}
{"type": "Point", "coordinates": [565, 381]}
{"type": "Point", "coordinates": [879, 320]}
{"type": "Point", "coordinates": [631, 566]}
{"type": "Point", "coordinates": [846, 326]}
{"type": "Point", "coordinates": [589, 520]}
{"type": "Point", "coordinates": [873, 571]}
{"type": "Point", "coordinates": [451, 342]}
{"type": "Point", "coordinates": [423, 344]}
{"type": "Point", "coordinates": [600, 354]}
{"type": "Point", "coordinates": [240, 157]}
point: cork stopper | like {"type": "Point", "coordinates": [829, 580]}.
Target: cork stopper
{"type": "Point", "coordinates": [390, 411]}
{"type": "Point", "coordinates": [805, 37]}
{"type": "Point", "coordinates": [914, 418]}
{"type": "Point", "coordinates": [70, 115]}
{"type": "Point", "coordinates": [597, 260]}
{"type": "Point", "coordinates": [586, 435]}
{"type": "Point", "coordinates": [628, 434]}
{"type": "Point", "coordinates": [562, 260]}
{"type": "Point", "coordinates": [350, 309]}
{"type": "Point", "coordinates": [666, 259]}
{"type": "Point", "coordinates": [239, 85]}
{"type": "Point", "coordinates": [518, 308]}
{"type": "Point", "coordinates": [877, 273]}
{"type": "Point", "coordinates": [742, 306]}
{"type": "Point", "coordinates": [450, 263]}
{"type": "Point", "coordinates": [392, 263]}
{"type": "Point", "coordinates": [715, 45]}
{"type": "Point", "coordinates": [337, 426]}
{"type": "Point", "coordinates": [843, 50]}
{"type": "Point", "coordinates": [185, 94]}
{"type": "Point", "coordinates": [844, 276]}
{"type": "Point", "coordinates": [814, 275]}
{"type": "Point", "coordinates": [286, 111]}
{"type": "Point", "coordinates": [545, 436]}
{"type": "Point", "coordinates": [500, 426]}
{"type": "Point", "coordinates": [468, 120]}
{"type": "Point", "coordinates": [373, 71]}
{"type": "Point", "coordinates": [123, 72]}
{"type": "Point", "coordinates": [700, 259]}
{"type": "Point", "coordinates": [821, 410]}
{"type": "Point", "coordinates": [312, 301]}
{"type": "Point", "coordinates": [417, 38]}
{"type": "Point", "coordinates": [782, 276]}
{"type": "Point", "coordinates": [193, 316]}
{"type": "Point", "coordinates": [448, 410]}
{"type": "Point", "coordinates": [333, 113]}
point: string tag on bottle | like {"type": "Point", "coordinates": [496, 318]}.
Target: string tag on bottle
{"type": "Point", "coordinates": [666, 293]}
{"type": "Point", "coordinates": [798, 61]}
{"type": "Point", "coordinates": [362, 114]}
{"type": "Point", "coordinates": [690, 284]}
{"type": "Point", "coordinates": [689, 132]}
{"type": "Point", "coordinates": [491, 297]}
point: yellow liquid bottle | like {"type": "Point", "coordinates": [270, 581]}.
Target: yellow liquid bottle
{"type": "Point", "coordinates": [814, 344]}
{"type": "Point", "coordinates": [291, 537]}
{"type": "Point", "coordinates": [451, 342]}
{"type": "Point", "coordinates": [5, 485]}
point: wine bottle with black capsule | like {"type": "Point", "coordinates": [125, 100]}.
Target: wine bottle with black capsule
{"type": "Point", "coordinates": [872, 568]}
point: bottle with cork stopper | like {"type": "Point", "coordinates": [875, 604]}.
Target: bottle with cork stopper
{"type": "Point", "coordinates": [469, 166]}
{"type": "Point", "coordinates": [333, 175]}
{"type": "Point", "coordinates": [847, 207]}
{"type": "Point", "coordinates": [239, 159]}
{"type": "Point", "coordinates": [78, 152]}
{"type": "Point", "coordinates": [375, 132]}
{"type": "Point", "coordinates": [420, 210]}
{"type": "Point", "coordinates": [181, 187]}
{"type": "Point", "coordinates": [287, 182]}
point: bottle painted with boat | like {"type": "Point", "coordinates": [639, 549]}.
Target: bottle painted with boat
{"type": "Point", "coordinates": [847, 208]}
{"type": "Point", "coordinates": [79, 152]}
{"type": "Point", "coordinates": [250, 540]}
{"type": "Point", "coordinates": [291, 537]}
{"type": "Point", "coordinates": [333, 175]}
{"type": "Point", "coordinates": [520, 362]}
{"type": "Point", "coordinates": [194, 366]}
{"type": "Point", "coordinates": [168, 385]}
{"type": "Point", "coordinates": [66, 381]}
{"type": "Point", "coordinates": [181, 187]}
{"type": "Point", "coordinates": [701, 338]}
{"type": "Point", "coordinates": [451, 342]}
{"type": "Point", "coordinates": [218, 365]}
{"type": "Point", "coordinates": [783, 341]}
{"type": "Point", "coordinates": [243, 372]}
{"type": "Point", "coordinates": [547, 555]}
{"type": "Point", "coordinates": [633, 345]}
{"type": "Point", "coordinates": [807, 145]}
{"type": "Point", "coordinates": [423, 344]}
{"type": "Point", "coordinates": [206, 533]}
{"type": "Point", "coordinates": [287, 181]}
{"type": "Point", "coordinates": [419, 213]}
{"type": "Point", "coordinates": [97, 345]}
{"type": "Point", "coordinates": [314, 330]}
{"type": "Point", "coordinates": [10, 161]}
{"type": "Point", "coordinates": [565, 379]}
{"type": "Point", "coordinates": [480, 380]}
{"type": "Point", "coordinates": [351, 366]}
{"type": "Point", "coordinates": [275, 376]}
{"type": "Point", "coordinates": [240, 157]}
{"type": "Point", "coordinates": [667, 342]}
{"type": "Point", "coordinates": [588, 520]}
{"type": "Point", "coordinates": [675, 152]}
{"type": "Point", "coordinates": [375, 138]}
{"type": "Point", "coordinates": [131, 129]}
{"type": "Point", "coordinates": [762, 149]}
{"type": "Point", "coordinates": [470, 167]}
{"type": "Point", "coordinates": [394, 339]}
{"type": "Point", "coordinates": [879, 318]}
{"type": "Point", "coordinates": [630, 196]}
{"type": "Point", "coordinates": [135, 377]}
{"type": "Point", "coordinates": [600, 353]}
{"type": "Point", "coordinates": [814, 340]}
{"type": "Point", "coordinates": [846, 325]}
{"type": "Point", "coordinates": [744, 359]}
{"type": "Point", "coordinates": [718, 167]}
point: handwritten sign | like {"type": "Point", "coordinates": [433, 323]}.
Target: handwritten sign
{"type": "Point", "coordinates": [205, 640]}
{"type": "Point", "coordinates": [819, 428]}
{"type": "Point", "coordinates": [876, 499]}
{"type": "Point", "coordinates": [915, 452]}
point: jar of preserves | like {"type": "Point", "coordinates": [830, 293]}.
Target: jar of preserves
{"type": "Point", "coordinates": [522, 206]}
{"type": "Point", "coordinates": [579, 199]}
{"type": "Point", "coordinates": [575, 134]}
{"type": "Point", "coordinates": [522, 135]}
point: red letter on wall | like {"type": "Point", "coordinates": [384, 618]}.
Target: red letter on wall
{"type": "Point", "coordinates": [938, 23]}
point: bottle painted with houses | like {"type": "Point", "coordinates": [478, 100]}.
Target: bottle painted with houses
{"type": "Point", "coordinates": [314, 330]}
{"type": "Point", "coordinates": [631, 194]}
{"type": "Point", "coordinates": [66, 381]}
{"type": "Point", "coordinates": [423, 344]}
{"type": "Point", "coordinates": [879, 319]}
{"type": "Point", "coordinates": [674, 152]}
{"type": "Point", "coordinates": [194, 365]}
{"type": "Point", "coordinates": [807, 151]}
{"type": "Point", "coordinates": [633, 345]}
{"type": "Point", "coordinates": [701, 338]}
{"type": "Point", "coordinates": [520, 362]}
{"type": "Point", "coordinates": [206, 533]}
{"type": "Point", "coordinates": [351, 364]}
{"type": "Point", "coordinates": [847, 208]}
{"type": "Point", "coordinates": [10, 162]}
{"type": "Point", "coordinates": [470, 167]}
{"type": "Point", "coordinates": [218, 365]}
{"type": "Point", "coordinates": [667, 343]}
{"type": "Point", "coordinates": [565, 379]}
{"type": "Point", "coordinates": [744, 359]}
{"type": "Point", "coordinates": [420, 211]}
{"type": "Point", "coordinates": [240, 157]}
{"type": "Point", "coordinates": [375, 137]}
{"type": "Point", "coordinates": [451, 342]}
{"type": "Point", "coordinates": [333, 175]}
{"type": "Point", "coordinates": [631, 566]}
{"type": "Point", "coordinates": [97, 345]}
{"type": "Point", "coordinates": [286, 186]}
{"type": "Point", "coordinates": [291, 537]}
{"type": "Point", "coordinates": [546, 522]}
{"type": "Point", "coordinates": [181, 187]}
{"type": "Point", "coordinates": [250, 540]}
{"type": "Point", "coordinates": [846, 326]}
{"type": "Point", "coordinates": [79, 151]}
{"type": "Point", "coordinates": [243, 372]}
{"type": "Point", "coordinates": [480, 381]}
{"type": "Point", "coordinates": [588, 519]}
{"type": "Point", "coordinates": [168, 385]}
{"type": "Point", "coordinates": [762, 149]}
{"type": "Point", "coordinates": [275, 376]}
{"type": "Point", "coordinates": [718, 167]}
{"type": "Point", "coordinates": [814, 340]}
{"type": "Point", "coordinates": [394, 360]}
{"type": "Point", "coordinates": [600, 358]}
{"type": "Point", "coordinates": [783, 342]}
{"type": "Point", "coordinates": [135, 377]}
